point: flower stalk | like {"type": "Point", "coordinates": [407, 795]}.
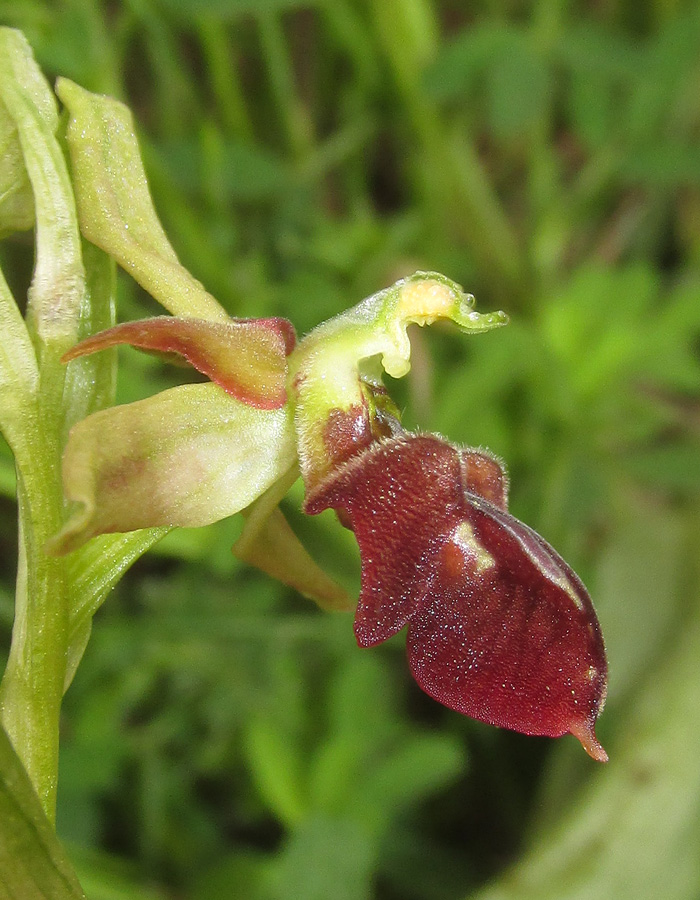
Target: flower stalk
{"type": "Point", "coordinates": [32, 687]}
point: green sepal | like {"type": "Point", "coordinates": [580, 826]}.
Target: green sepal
{"type": "Point", "coordinates": [114, 204]}
{"type": "Point", "coordinates": [188, 456]}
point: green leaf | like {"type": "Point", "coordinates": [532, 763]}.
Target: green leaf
{"type": "Point", "coordinates": [115, 207]}
{"type": "Point", "coordinates": [251, 174]}
{"type": "Point", "coordinates": [228, 9]}
{"type": "Point", "coordinates": [362, 700]}
{"type": "Point", "coordinates": [671, 359]}
{"type": "Point", "coordinates": [93, 570]}
{"type": "Point", "coordinates": [460, 64]}
{"type": "Point", "coordinates": [667, 164]}
{"type": "Point", "coordinates": [501, 60]}
{"type": "Point", "coordinates": [275, 764]}
{"type": "Point", "coordinates": [326, 858]}
{"type": "Point", "coordinates": [107, 877]}
{"type": "Point", "coordinates": [592, 107]}
{"type": "Point", "coordinates": [420, 766]}
{"type": "Point", "coordinates": [602, 68]}
{"type": "Point", "coordinates": [32, 862]}
{"type": "Point", "coordinates": [242, 173]}
{"type": "Point", "coordinates": [674, 467]}
{"type": "Point", "coordinates": [188, 456]}
{"type": "Point", "coordinates": [669, 62]}
{"type": "Point", "coordinates": [242, 873]}
{"type": "Point", "coordinates": [518, 87]}
{"type": "Point", "coordinates": [589, 48]}
{"type": "Point", "coordinates": [363, 723]}
{"type": "Point", "coordinates": [596, 337]}
{"type": "Point", "coordinates": [623, 584]}
{"type": "Point", "coordinates": [369, 768]}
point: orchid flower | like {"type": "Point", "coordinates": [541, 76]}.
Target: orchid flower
{"type": "Point", "coordinates": [499, 627]}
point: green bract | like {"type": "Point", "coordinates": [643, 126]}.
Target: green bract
{"type": "Point", "coordinates": [26, 103]}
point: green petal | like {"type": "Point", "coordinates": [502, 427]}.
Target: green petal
{"type": "Point", "coordinates": [246, 357]}
{"type": "Point", "coordinates": [188, 456]}
{"type": "Point", "coordinates": [114, 204]}
{"type": "Point", "coordinates": [268, 543]}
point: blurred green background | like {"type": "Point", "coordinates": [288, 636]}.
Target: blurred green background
{"type": "Point", "coordinates": [223, 738]}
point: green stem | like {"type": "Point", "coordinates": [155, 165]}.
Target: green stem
{"type": "Point", "coordinates": [32, 687]}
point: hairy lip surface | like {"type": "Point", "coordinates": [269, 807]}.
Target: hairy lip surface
{"type": "Point", "coordinates": [499, 627]}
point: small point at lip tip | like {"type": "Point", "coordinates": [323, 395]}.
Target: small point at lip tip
{"type": "Point", "coordinates": [590, 743]}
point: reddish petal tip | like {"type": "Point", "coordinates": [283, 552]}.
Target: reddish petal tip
{"type": "Point", "coordinates": [584, 732]}
{"type": "Point", "coordinates": [245, 357]}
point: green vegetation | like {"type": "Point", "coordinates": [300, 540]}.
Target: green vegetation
{"type": "Point", "coordinates": [224, 738]}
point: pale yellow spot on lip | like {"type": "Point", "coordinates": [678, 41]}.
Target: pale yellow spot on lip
{"type": "Point", "coordinates": [425, 301]}
{"type": "Point", "coordinates": [479, 559]}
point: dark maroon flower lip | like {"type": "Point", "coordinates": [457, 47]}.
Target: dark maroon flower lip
{"type": "Point", "coordinates": [499, 626]}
